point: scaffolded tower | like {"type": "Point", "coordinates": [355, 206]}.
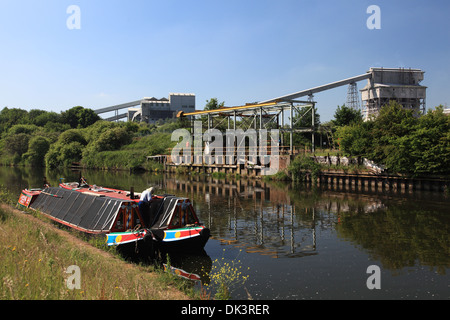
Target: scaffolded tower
{"type": "Point", "coordinates": [401, 85]}
{"type": "Point", "coordinates": [353, 100]}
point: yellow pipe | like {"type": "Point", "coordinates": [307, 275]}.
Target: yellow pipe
{"type": "Point", "coordinates": [182, 114]}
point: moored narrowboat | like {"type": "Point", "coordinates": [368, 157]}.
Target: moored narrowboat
{"type": "Point", "coordinates": [169, 224]}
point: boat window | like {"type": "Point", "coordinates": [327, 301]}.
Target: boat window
{"type": "Point", "coordinates": [119, 221]}
{"type": "Point", "coordinates": [175, 219]}
{"type": "Point", "coordinates": [188, 216]}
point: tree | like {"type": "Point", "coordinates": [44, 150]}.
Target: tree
{"type": "Point", "coordinates": [17, 144]}
{"type": "Point", "coordinates": [393, 122]}
{"type": "Point", "coordinates": [72, 135]}
{"type": "Point", "coordinates": [345, 116]}
{"type": "Point", "coordinates": [79, 117]}
{"type": "Point", "coordinates": [355, 139]}
{"type": "Point", "coordinates": [11, 117]}
{"type": "Point", "coordinates": [37, 149]}
{"type": "Point", "coordinates": [113, 139]}
{"type": "Point", "coordinates": [213, 104]}
{"type": "Point", "coordinates": [219, 122]}
{"type": "Point", "coordinates": [66, 150]}
{"type": "Point", "coordinates": [401, 141]}
{"type": "Point", "coordinates": [430, 143]}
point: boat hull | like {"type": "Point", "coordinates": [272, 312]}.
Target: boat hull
{"type": "Point", "coordinates": [176, 240]}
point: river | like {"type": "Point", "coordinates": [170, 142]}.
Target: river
{"type": "Point", "coordinates": [300, 242]}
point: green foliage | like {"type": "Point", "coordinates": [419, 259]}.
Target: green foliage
{"type": "Point", "coordinates": [11, 117]}
{"type": "Point", "coordinates": [70, 136]}
{"type": "Point", "coordinates": [37, 149]}
{"type": "Point", "coordinates": [27, 135]}
{"type": "Point", "coordinates": [213, 104]}
{"type": "Point", "coordinates": [345, 116]}
{"type": "Point", "coordinates": [79, 117]}
{"type": "Point", "coordinates": [355, 139]}
{"type": "Point", "coordinates": [16, 144]}
{"type": "Point", "coordinates": [303, 165]}
{"type": "Point", "coordinates": [401, 141]}
{"type": "Point", "coordinates": [113, 139]}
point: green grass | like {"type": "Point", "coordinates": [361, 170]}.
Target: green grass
{"type": "Point", "coordinates": [34, 256]}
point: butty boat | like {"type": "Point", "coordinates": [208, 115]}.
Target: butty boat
{"type": "Point", "coordinates": [170, 224]}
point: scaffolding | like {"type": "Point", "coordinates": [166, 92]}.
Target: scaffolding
{"type": "Point", "coordinates": [278, 115]}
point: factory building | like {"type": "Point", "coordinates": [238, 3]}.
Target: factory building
{"type": "Point", "coordinates": [151, 109]}
{"type": "Point", "coordinates": [401, 85]}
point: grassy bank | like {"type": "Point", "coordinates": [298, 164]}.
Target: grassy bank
{"type": "Point", "coordinates": [35, 255]}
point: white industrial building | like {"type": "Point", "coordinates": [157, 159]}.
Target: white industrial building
{"type": "Point", "coordinates": [400, 84]}
{"type": "Point", "coordinates": [152, 109]}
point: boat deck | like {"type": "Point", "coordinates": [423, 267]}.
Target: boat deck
{"type": "Point", "coordinates": [101, 191]}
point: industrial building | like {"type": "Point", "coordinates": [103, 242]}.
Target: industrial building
{"type": "Point", "coordinates": [401, 85]}
{"type": "Point", "coordinates": [151, 109]}
{"type": "Point", "coordinates": [383, 85]}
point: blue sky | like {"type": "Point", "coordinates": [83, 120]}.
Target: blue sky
{"type": "Point", "coordinates": [238, 51]}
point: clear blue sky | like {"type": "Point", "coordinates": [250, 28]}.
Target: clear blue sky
{"type": "Point", "coordinates": [238, 51]}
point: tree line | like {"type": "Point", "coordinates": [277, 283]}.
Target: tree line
{"type": "Point", "coordinates": [397, 138]}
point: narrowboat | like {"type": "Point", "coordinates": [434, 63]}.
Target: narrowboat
{"type": "Point", "coordinates": [169, 224]}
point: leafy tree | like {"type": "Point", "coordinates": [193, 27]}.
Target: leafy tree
{"type": "Point", "coordinates": [43, 118]}
{"type": "Point", "coordinates": [79, 117]}
{"type": "Point", "coordinates": [66, 150]}
{"type": "Point", "coordinates": [392, 123]}
{"type": "Point", "coordinates": [22, 128]}
{"type": "Point", "coordinates": [17, 144]}
{"type": "Point", "coordinates": [345, 116]}
{"type": "Point", "coordinates": [11, 117]}
{"type": "Point", "coordinates": [355, 139]}
{"type": "Point", "coordinates": [72, 135]}
{"type": "Point", "coordinates": [401, 141]}
{"type": "Point", "coordinates": [37, 149]}
{"type": "Point", "coordinates": [113, 139]}
{"type": "Point", "coordinates": [213, 104]}
{"type": "Point", "coordinates": [430, 143]}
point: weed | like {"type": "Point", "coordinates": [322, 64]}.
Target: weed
{"type": "Point", "coordinates": [225, 276]}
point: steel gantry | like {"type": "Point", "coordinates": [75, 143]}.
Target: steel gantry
{"type": "Point", "coordinates": [272, 115]}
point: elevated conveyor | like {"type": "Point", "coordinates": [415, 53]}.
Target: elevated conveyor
{"type": "Point", "coordinates": [325, 87]}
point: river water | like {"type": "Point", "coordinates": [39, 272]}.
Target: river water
{"type": "Point", "coordinates": [301, 242]}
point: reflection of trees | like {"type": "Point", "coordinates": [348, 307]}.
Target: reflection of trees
{"type": "Point", "coordinates": [400, 237]}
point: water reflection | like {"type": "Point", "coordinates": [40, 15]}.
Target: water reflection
{"type": "Point", "coordinates": [282, 221]}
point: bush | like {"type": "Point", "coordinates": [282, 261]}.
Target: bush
{"type": "Point", "coordinates": [37, 149]}
{"type": "Point", "coordinates": [303, 165]}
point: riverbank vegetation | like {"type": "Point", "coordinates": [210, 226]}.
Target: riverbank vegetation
{"type": "Point", "coordinates": [397, 139]}
{"type": "Point", "coordinates": [79, 137]}
{"type": "Point", "coordinates": [400, 140]}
